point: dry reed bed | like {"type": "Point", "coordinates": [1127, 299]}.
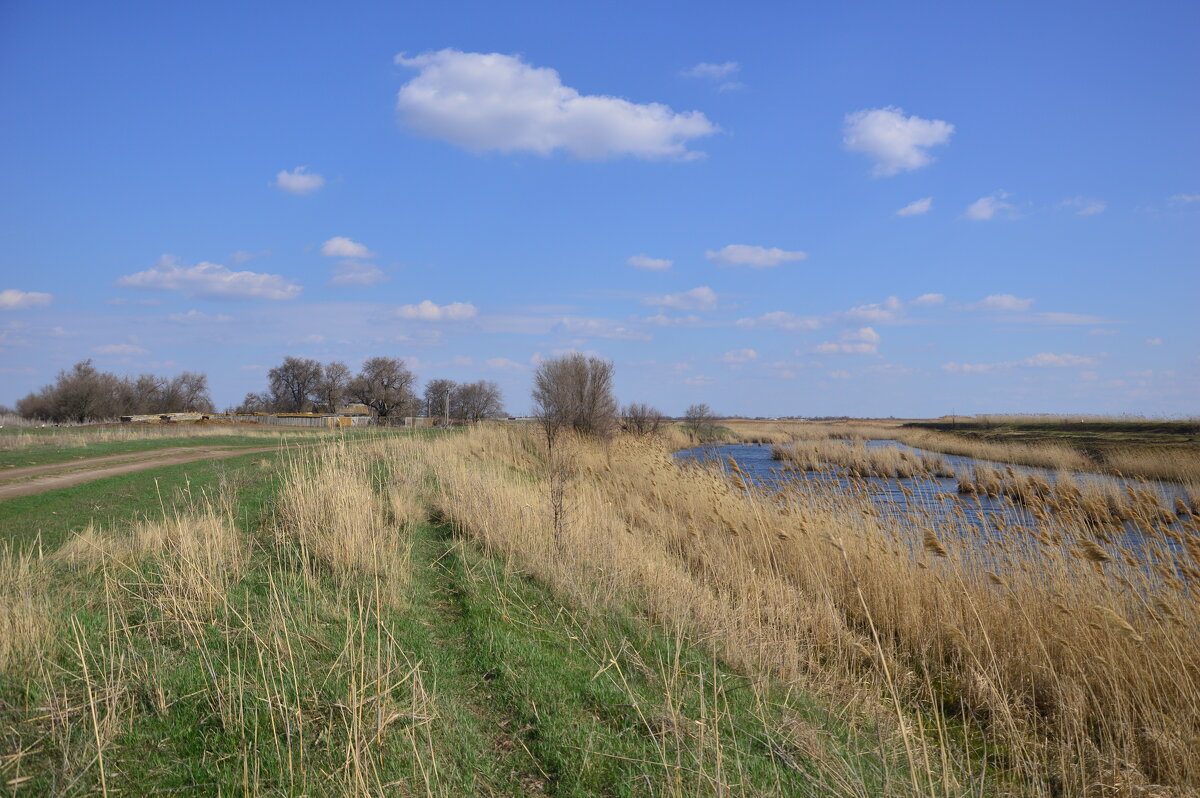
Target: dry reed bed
{"type": "Point", "coordinates": [859, 461]}
{"type": "Point", "coordinates": [1077, 661]}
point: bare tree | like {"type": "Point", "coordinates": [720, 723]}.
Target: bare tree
{"type": "Point", "coordinates": [293, 383]}
{"type": "Point", "coordinates": [701, 419]}
{"type": "Point", "coordinates": [386, 386]}
{"type": "Point", "coordinates": [575, 392]}
{"type": "Point", "coordinates": [437, 398]}
{"type": "Point", "coordinates": [331, 387]}
{"type": "Point", "coordinates": [641, 419]}
{"type": "Point", "coordinates": [83, 393]}
{"type": "Point", "coordinates": [476, 401]}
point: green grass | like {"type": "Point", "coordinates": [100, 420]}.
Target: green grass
{"type": "Point", "coordinates": [114, 502]}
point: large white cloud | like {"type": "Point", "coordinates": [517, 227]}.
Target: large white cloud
{"type": "Point", "coordinates": [428, 311]}
{"type": "Point", "coordinates": [14, 299]}
{"type": "Point", "coordinates": [753, 256]}
{"type": "Point", "coordinates": [299, 180]}
{"type": "Point", "coordinates": [342, 247]}
{"type": "Point", "coordinates": [699, 298]}
{"type": "Point", "coordinates": [210, 280]}
{"type": "Point", "coordinates": [897, 143]}
{"type": "Point", "coordinates": [492, 101]}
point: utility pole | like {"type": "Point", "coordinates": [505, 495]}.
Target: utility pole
{"type": "Point", "coordinates": [447, 408]}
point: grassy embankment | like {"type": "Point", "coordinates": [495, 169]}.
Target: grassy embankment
{"type": "Point", "coordinates": [298, 625]}
{"type": "Point", "coordinates": [348, 645]}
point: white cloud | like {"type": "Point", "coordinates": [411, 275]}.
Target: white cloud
{"type": "Point", "coordinates": [342, 247]}
{"type": "Point", "coordinates": [699, 379]}
{"type": "Point", "coordinates": [712, 71]}
{"type": "Point", "coordinates": [1057, 317]}
{"type": "Point", "coordinates": [661, 319]}
{"type": "Point", "coordinates": [699, 298]}
{"type": "Point", "coordinates": [987, 207]}
{"type": "Point", "coordinates": [917, 208]}
{"type": "Point", "coordinates": [739, 356]}
{"type": "Point", "coordinates": [889, 311]}
{"type": "Point", "coordinates": [752, 256]}
{"type": "Point", "coordinates": [1051, 360]}
{"type": "Point", "coordinates": [428, 311]}
{"type": "Point", "coordinates": [863, 341]}
{"type": "Point", "coordinates": [1187, 199]}
{"type": "Point", "coordinates": [1084, 206]}
{"type": "Point", "coordinates": [210, 280]}
{"type": "Point", "coordinates": [13, 299]}
{"type": "Point", "coordinates": [840, 375]}
{"type": "Point", "coordinates": [1006, 302]}
{"type": "Point", "coordinates": [299, 180]}
{"type": "Point", "coordinates": [1154, 342]}
{"type": "Point", "coordinates": [780, 320]}
{"type": "Point", "coordinates": [598, 328]}
{"type": "Point", "coordinates": [649, 264]}
{"type": "Point", "coordinates": [492, 101]}
{"type": "Point", "coordinates": [503, 364]}
{"type": "Point", "coordinates": [120, 349]}
{"type": "Point", "coordinates": [353, 272]}
{"type": "Point", "coordinates": [196, 317]}
{"type": "Point", "coordinates": [1040, 360]}
{"type": "Point", "coordinates": [925, 300]}
{"type": "Point", "coordinates": [896, 142]}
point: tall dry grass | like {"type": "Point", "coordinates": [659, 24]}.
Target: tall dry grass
{"type": "Point", "coordinates": [1073, 657]}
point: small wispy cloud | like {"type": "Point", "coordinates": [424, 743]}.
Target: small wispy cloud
{"type": "Point", "coordinates": [989, 207]}
{"type": "Point", "coordinates": [14, 299]}
{"type": "Point", "coordinates": [210, 280]}
{"type": "Point", "coordinates": [753, 256]}
{"type": "Point", "coordinates": [354, 272]}
{"type": "Point", "coordinates": [298, 181]}
{"type": "Point", "coordinates": [430, 311]}
{"type": "Point", "coordinates": [699, 298]}
{"type": "Point", "coordinates": [780, 320]}
{"type": "Point", "coordinates": [123, 350]}
{"type": "Point", "coordinates": [863, 341]}
{"type": "Point", "coordinates": [918, 208]}
{"type": "Point", "coordinates": [342, 247]}
{"type": "Point", "coordinates": [1084, 206]}
{"type": "Point", "coordinates": [649, 264]}
{"type": "Point", "coordinates": [1040, 360]}
{"type": "Point", "coordinates": [739, 356]}
{"type": "Point", "coordinates": [1002, 302]}
{"type": "Point", "coordinates": [197, 317]}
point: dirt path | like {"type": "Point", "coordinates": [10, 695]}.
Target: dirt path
{"type": "Point", "coordinates": [76, 472]}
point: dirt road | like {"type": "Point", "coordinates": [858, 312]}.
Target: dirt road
{"type": "Point", "coordinates": [15, 482]}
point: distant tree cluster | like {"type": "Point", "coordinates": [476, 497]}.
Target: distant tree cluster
{"type": "Point", "coordinates": [303, 385]}
{"type": "Point", "coordinates": [384, 384]}
{"type": "Point", "coordinates": [83, 393]}
{"type": "Point", "coordinates": [470, 402]}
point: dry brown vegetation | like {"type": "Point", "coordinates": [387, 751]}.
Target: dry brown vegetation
{"type": "Point", "coordinates": [1071, 656]}
{"type": "Point", "coordinates": [1046, 658]}
{"type": "Point", "coordinates": [1178, 464]}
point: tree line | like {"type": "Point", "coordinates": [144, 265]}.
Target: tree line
{"type": "Point", "coordinates": [573, 391]}
{"type": "Point", "coordinates": [385, 385]}
{"type": "Point", "coordinates": [84, 393]}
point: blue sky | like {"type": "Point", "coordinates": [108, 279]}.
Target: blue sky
{"type": "Point", "coordinates": [711, 198]}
